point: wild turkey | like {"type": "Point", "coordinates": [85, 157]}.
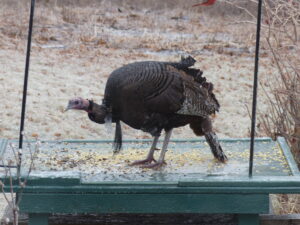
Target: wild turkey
{"type": "Point", "coordinates": [154, 96]}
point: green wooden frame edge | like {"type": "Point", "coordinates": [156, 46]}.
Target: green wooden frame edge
{"type": "Point", "coordinates": [144, 203]}
{"type": "Point", "coordinates": [147, 140]}
{"type": "Point", "coordinates": [288, 155]}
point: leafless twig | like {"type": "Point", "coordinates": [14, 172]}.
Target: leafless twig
{"type": "Point", "coordinates": [11, 176]}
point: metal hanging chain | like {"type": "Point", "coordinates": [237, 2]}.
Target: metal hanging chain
{"type": "Point", "coordinates": [254, 101]}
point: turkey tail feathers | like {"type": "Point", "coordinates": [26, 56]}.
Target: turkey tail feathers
{"type": "Point", "coordinates": [215, 146]}
{"type": "Point", "coordinates": [118, 138]}
{"type": "Point", "coordinates": [187, 61]}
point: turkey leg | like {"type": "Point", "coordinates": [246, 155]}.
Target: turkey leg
{"type": "Point", "coordinates": [161, 161]}
{"type": "Point", "coordinates": [150, 157]}
{"type": "Point", "coordinates": [215, 146]}
{"type": "Point", "coordinates": [213, 141]}
{"type": "Point", "coordinates": [204, 127]}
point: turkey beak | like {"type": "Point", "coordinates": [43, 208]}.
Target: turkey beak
{"type": "Point", "coordinates": [68, 107]}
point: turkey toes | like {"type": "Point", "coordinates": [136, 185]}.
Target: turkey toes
{"type": "Point", "coordinates": [142, 162]}
{"type": "Point", "coordinates": [155, 165]}
{"type": "Point", "coordinates": [221, 157]}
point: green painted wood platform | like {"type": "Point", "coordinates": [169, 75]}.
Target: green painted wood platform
{"type": "Point", "coordinates": [77, 176]}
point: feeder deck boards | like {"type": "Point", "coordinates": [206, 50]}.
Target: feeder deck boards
{"type": "Point", "coordinates": [83, 177]}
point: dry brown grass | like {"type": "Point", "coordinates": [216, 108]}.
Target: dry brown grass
{"type": "Point", "coordinates": [283, 119]}
{"type": "Point", "coordinates": [71, 22]}
{"type": "Point", "coordinates": [286, 204]}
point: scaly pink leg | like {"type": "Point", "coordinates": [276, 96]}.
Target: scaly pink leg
{"type": "Point", "coordinates": [150, 157]}
{"type": "Point", "coordinates": [160, 162]}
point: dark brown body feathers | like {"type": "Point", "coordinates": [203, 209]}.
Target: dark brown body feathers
{"type": "Point", "coordinates": [154, 96]}
{"type": "Point", "coordinates": [147, 95]}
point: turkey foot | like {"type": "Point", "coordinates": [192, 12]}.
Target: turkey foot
{"type": "Point", "coordinates": [160, 162]}
{"type": "Point", "coordinates": [145, 161]}
{"type": "Point", "coordinates": [150, 157]}
{"type": "Point", "coordinates": [221, 157]}
{"type": "Point", "coordinates": [155, 165]}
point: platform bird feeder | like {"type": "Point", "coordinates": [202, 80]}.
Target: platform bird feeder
{"type": "Point", "coordinates": [81, 176]}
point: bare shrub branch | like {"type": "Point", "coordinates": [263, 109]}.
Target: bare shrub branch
{"type": "Point", "coordinates": [12, 202]}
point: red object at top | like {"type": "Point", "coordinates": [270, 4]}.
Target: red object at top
{"type": "Point", "coordinates": [208, 2]}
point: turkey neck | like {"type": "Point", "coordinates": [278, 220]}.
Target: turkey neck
{"type": "Point", "coordinates": [98, 113]}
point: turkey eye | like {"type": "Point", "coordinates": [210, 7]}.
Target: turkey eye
{"type": "Point", "coordinates": [76, 102]}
